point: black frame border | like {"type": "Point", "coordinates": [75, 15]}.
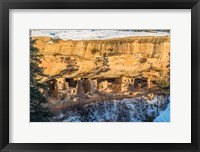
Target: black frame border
{"type": "Point", "coordinates": [5, 5]}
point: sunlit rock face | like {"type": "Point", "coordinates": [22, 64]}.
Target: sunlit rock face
{"type": "Point", "coordinates": [147, 56]}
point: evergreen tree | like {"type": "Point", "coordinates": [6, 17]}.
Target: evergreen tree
{"type": "Point", "coordinates": [38, 111]}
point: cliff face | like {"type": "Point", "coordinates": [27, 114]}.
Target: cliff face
{"type": "Point", "coordinates": [131, 56]}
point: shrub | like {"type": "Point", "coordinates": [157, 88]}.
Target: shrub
{"type": "Point", "coordinates": [56, 40]}
{"type": "Point", "coordinates": [94, 50]}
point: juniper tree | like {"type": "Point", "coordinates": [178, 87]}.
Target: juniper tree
{"type": "Point", "coordinates": [38, 111]}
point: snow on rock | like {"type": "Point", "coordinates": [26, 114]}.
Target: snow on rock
{"type": "Point", "coordinates": [95, 34]}
{"type": "Point", "coordinates": [164, 115]}
{"type": "Point", "coordinates": [126, 110]}
{"type": "Point", "coordinates": [60, 115]}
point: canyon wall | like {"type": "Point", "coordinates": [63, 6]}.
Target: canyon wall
{"type": "Point", "coordinates": [153, 46]}
{"type": "Point", "coordinates": [144, 55]}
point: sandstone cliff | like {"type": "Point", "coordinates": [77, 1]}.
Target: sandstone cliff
{"type": "Point", "coordinates": [145, 56]}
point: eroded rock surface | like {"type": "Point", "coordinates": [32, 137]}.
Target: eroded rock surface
{"type": "Point", "coordinates": [131, 56]}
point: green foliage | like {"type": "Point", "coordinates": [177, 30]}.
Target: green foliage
{"type": "Point", "coordinates": [165, 85]}
{"type": "Point", "coordinates": [38, 111]}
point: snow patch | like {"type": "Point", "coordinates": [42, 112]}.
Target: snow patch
{"type": "Point", "coordinates": [126, 110]}
{"type": "Point", "coordinates": [95, 34]}
{"type": "Point", "coordinates": [164, 115]}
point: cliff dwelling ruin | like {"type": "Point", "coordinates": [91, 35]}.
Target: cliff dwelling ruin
{"type": "Point", "coordinates": [97, 70]}
{"type": "Point", "coordinates": [99, 75]}
{"type": "Point", "coordinates": [60, 88]}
